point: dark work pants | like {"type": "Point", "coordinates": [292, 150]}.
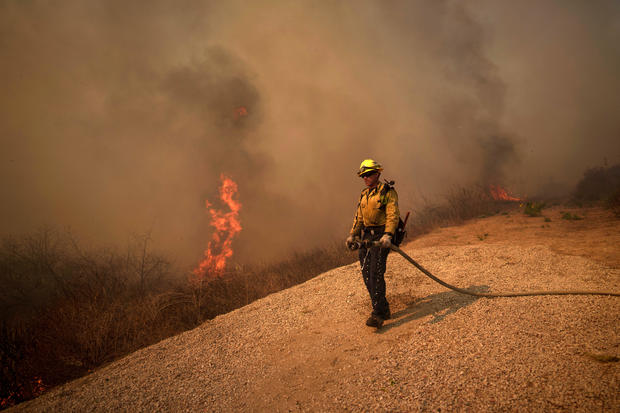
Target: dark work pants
{"type": "Point", "coordinates": [373, 261]}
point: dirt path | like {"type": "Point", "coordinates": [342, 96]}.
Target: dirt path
{"type": "Point", "coordinates": [307, 348]}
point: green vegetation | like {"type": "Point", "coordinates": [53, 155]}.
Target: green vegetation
{"type": "Point", "coordinates": [533, 209]}
{"type": "Point", "coordinates": [571, 217]}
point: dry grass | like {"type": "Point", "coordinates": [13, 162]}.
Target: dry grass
{"type": "Point", "coordinates": [459, 205]}
{"type": "Point", "coordinates": [246, 284]}
{"type": "Point", "coordinates": [65, 311]}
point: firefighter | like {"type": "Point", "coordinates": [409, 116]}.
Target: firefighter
{"type": "Point", "coordinates": [376, 219]}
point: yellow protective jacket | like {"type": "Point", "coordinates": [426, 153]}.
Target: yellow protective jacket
{"type": "Point", "coordinates": [377, 209]}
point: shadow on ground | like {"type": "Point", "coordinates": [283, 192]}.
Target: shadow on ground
{"type": "Point", "coordinates": [438, 305]}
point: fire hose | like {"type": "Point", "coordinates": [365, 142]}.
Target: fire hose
{"type": "Point", "coordinates": [368, 243]}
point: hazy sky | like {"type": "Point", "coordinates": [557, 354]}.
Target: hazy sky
{"type": "Point", "coordinates": [119, 117]}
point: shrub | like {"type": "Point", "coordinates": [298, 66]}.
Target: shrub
{"type": "Point", "coordinates": [533, 209]}
{"type": "Point", "coordinates": [598, 184]}
{"type": "Point", "coordinates": [571, 217]}
{"type": "Point", "coordinates": [64, 310]}
{"type": "Point", "coordinates": [613, 202]}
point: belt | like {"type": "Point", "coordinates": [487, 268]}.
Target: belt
{"type": "Point", "coordinates": [374, 230]}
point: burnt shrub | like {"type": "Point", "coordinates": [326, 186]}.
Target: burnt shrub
{"type": "Point", "coordinates": [613, 202]}
{"type": "Point", "coordinates": [598, 184]}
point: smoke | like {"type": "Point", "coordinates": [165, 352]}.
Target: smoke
{"type": "Point", "coordinates": [118, 118]}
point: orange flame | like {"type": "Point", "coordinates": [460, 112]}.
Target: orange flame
{"type": "Point", "coordinates": [240, 112]}
{"type": "Point", "coordinates": [30, 391]}
{"type": "Point", "coordinates": [499, 194]}
{"type": "Point", "coordinates": [226, 226]}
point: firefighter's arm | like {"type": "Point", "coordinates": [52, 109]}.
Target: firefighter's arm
{"type": "Point", "coordinates": [392, 214]}
{"type": "Point", "coordinates": [358, 222]}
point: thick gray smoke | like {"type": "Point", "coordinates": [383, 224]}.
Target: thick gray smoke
{"type": "Point", "coordinates": [120, 117]}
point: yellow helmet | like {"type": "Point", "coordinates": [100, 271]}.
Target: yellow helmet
{"type": "Point", "coordinates": [369, 165]}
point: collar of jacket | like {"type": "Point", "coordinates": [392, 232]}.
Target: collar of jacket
{"type": "Point", "coordinates": [376, 189]}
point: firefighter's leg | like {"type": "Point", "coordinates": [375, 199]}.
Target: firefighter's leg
{"type": "Point", "coordinates": [377, 282]}
{"type": "Point", "coordinates": [364, 256]}
{"type": "Point", "coordinates": [381, 306]}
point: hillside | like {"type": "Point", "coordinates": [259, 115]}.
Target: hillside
{"type": "Point", "coordinates": [307, 348]}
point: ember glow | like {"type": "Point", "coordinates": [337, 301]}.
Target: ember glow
{"type": "Point", "coordinates": [35, 389]}
{"type": "Point", "coordinates": [241, 112]}
{"type": "Point", "coordinates": [226, 225]}
{"type": "Point", "coordinates": [499, 194]}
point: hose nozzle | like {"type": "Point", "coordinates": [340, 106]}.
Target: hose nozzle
{"type": "Point", "coordinates": [359, 243]}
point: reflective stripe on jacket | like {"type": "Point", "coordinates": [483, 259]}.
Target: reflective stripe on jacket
{"type": "Point", "coordinates": [374, 209]}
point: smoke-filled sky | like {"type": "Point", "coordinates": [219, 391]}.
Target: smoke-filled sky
{"type": "Point", "coordinates": [118, 118]}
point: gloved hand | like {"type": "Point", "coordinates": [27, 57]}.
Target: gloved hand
{"type": "Point", "coordinates": [349, 241]}
{"type": "Point", "coordinates": [386, 241]}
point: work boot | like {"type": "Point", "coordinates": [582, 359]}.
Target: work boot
{"type": "Point", "coordinates": [374, 321]}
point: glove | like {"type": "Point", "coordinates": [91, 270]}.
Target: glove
{"type": "Point", "coordinates": [349, 241]}
{"type": "Point", "coordinates": [386, 241]}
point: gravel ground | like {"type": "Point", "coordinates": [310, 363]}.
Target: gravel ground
{"type": "Point", "coordinates": [307, 348]}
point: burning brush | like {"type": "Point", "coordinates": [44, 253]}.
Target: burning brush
{"type": "Point", "coordinates": [24, 392]}
{"type": "Point", "coordinates": [227, 226]}
{"type": "Point", "coordinates": [500, 194]}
